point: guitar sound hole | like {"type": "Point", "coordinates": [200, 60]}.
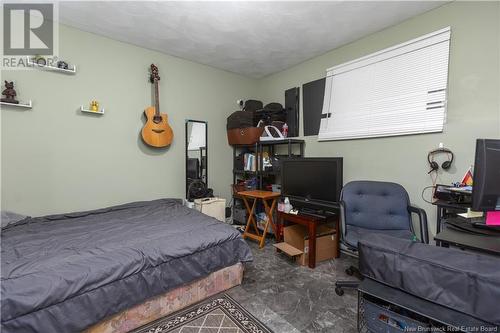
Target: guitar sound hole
{"type": "Point", "coordinates": [157, 119]}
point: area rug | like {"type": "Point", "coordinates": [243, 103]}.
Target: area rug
{"type": "Point", "coordinates": [220, 314]}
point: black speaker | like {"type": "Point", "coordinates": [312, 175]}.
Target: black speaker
{"type": "Point", "coordinates": [292, 111]}
{"type": "Point", "coordinates": [312, 105]}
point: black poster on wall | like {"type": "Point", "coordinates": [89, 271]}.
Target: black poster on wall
{"type": "Point", "coordinates": [292, 111]}
{"type": "Point", "coordinates": [312, 93]}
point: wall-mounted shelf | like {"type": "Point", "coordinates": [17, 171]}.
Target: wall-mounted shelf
{"type": "Point", "coordinates": [20, 105]}
{"type": "Point", "coordinates": [100, 112]}
{"type": "Point", "coordinates": [70, 70]}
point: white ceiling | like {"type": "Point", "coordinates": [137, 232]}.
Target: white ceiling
{"type": "Point", "coordinates": [250, 38]}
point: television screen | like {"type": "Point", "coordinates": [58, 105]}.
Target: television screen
{"type": "Point", "coordinates": [312, 180]}
{"type": "Point", "coordinates": [486, 189]}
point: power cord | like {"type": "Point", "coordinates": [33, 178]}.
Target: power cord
{"type": "Point", "coordinates": [423, 192]}
{"type": "Point", "coordinates": [434, 177]}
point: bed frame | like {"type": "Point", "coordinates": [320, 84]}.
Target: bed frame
{"type": "Point", "coordinates": [171, 301]}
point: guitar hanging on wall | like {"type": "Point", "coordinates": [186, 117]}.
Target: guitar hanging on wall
{"type": "Point", "coordinates": [156, 132]}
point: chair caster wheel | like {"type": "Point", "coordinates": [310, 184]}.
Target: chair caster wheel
{"type": "Point", "coordinates": [339, 291]}
{"type": "Point", "coordinates": [349, 271]}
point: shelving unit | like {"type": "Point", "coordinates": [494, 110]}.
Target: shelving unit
{"type": "Point", "coordinates": [100, 112]}
{"type": "Point", "coordinates": [71, 70]}
{"type": "Point", "coordinates": [28, 105]}
{"type": "Point", "coordinates": [265, 176]}
{"type": "Point", "coordinates": [259, 148]}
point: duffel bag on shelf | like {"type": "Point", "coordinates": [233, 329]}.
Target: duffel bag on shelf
{"type": "Point", "coordinates": [244, 136]}
{"type": "Point", "coordinates": [271, 112]}
{"type": "Point", "coordinates": [252, 105]}
{"type": "Point", "coordinates": [240, 119]}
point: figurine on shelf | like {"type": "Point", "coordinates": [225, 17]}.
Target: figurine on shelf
{"type": "Point", "coordinates": [9, 93]}
{"type": "Point", "coordinates": [62, 64]}
{"type": "Point", "coordinates": [40, 61]}
{"type": "Point", "coordinates": [94, 106]}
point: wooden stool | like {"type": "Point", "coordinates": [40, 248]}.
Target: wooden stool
{"type": "Point", "coordinates": [265, 196]}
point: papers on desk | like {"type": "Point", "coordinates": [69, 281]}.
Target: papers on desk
{"type": "Point", "coordinates": [462, 189]}
{"type": "Point", "coordinates": [471, 214]}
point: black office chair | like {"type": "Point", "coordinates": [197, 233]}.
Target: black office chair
{"type": "Point", "coordinates": [368, 207]}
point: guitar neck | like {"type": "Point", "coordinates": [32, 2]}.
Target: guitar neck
{"type": "Point", "coordinates": [157, 99]}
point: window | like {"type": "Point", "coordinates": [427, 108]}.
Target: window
{"type": "Point", "coordinates": [397, 91]}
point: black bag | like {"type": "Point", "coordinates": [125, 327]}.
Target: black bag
{"type": "Point", "coordinates": [240, 119]}
{"type": "Point", "coordinates": [273, 107]}
{"type": "Point", "coordinates": [271, 112]}
{"type": "Point", "coordinates": [463, 281]}
{"type": "Point", "coordinates": [252, 105]}
{"type": "Point", "coordinates": [197, 189]}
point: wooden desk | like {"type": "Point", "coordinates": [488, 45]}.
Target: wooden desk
{"type": "Point", "coordinates": [265, 197]}
{"type": "Point", "coordinates": [311, 222]}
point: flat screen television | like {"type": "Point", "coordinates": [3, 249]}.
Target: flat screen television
{"type": "Point", "coordinates": [312, 183]}
{"type": "Point", "coordinates": [486, 189]}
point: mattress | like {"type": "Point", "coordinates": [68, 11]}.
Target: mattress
{"type": "Point", "coordinates": [63, 273]}
{"type": "Point", "coordinates": [464, 281]}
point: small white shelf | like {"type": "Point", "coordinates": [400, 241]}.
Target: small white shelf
{"type": "Point", "coordinates": [100, 112]}
{"type": "Point", "coordinates": [20, 105]}
{"type": "Point", "coordinates": [70, 70]}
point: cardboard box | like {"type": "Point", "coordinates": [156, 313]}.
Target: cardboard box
{"type": "Point", "coordinates": [326, 242]}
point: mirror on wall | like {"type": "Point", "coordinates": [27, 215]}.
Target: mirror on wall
{"type": "Point", "coordinates": [196, 158]}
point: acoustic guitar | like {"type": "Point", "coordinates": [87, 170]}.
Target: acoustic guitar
{"type": "Point", "coordinates": [156, 132]}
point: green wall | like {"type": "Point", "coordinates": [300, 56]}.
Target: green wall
{"type": "Point", "coordinates": [473, 99]}
{"type": "Point", "coordinates": [56, 159]}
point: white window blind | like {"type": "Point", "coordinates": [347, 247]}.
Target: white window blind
{"type": "Point", "coordinates": [397, 91]}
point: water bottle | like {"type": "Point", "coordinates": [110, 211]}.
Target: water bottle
{"type": "Point", "coordinates": [288, 206]}
{"type": "Point", "coordinates": [285, 130]}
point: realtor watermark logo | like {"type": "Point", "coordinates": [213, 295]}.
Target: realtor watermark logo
{"type": "Point", "coordinates": [28, 30]}
{"type": "Point", "coordinates": [449, 328]}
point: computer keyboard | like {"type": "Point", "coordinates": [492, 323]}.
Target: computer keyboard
{"type": "Point", "coordinates": [474, 225]}
{"type": "Point", "coordinates": [481, 225]}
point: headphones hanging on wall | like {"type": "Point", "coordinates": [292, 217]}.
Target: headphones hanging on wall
{"type": "Point", "coordinates": [446, 164]}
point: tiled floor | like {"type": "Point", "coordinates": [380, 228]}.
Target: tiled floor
{"type": "Point", "coordinates": [290, 298]}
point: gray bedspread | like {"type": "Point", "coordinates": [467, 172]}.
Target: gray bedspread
{"type": "Point", "coordinates": [63, 273]}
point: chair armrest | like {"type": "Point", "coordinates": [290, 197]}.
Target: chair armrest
{"type": "Point", "coordinates": [352, 249]}
{"type": "Point", "coordinates": [422, 216]}
{"type": "Point", "coordinates": [342, 223]}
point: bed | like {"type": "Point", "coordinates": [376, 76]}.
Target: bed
{"type": "Point", "coordinates": [67, 272]}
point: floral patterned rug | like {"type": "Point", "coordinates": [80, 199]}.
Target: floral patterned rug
{"type": "Point", "coordinates": [220, 314]}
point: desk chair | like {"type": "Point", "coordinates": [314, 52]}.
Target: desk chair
{"type": "Point", "coordinates": [368, 207]}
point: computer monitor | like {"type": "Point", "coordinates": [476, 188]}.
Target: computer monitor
{"type": "Point", "coordinates": [312, 183]}
{"type": "Point", "coordinates": [486, 189]}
